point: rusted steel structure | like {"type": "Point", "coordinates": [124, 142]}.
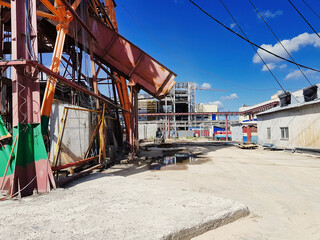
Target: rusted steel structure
{"type": "Point", "coordinates": [251, 112]}
{"type": "Point", "coordinates": [69, 32]}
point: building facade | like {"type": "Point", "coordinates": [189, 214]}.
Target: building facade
{"type": "Point", "coordinates": [293, 125]}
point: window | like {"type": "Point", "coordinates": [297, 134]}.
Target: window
{"type": "Point", "coordinates": [284, 133]}
{"type": "Point", "coordinates": [268, 133]}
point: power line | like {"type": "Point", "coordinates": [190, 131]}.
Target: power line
{"type": "Point", "coordinates": [311, 8]}
{"type": "Point", "coordinates": [216, 20]}
{"type": "Point", "coordinates": [186, 62]}
{"type": "Point", "coordinates": [279, 41]}
{"type": "Point", "coordinates": [252, 46]}
{"type": "Point", "coordinates": [303, 18]}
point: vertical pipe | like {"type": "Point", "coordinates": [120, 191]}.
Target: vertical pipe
{"type": "Point", "coordinates": [226, 127]}
{"type": "Point", "coordinates": [131, 122]}
{"type": "Point", "coordinates": [135, 108]}
{"type": "Point", "coordinates": [168, 126]}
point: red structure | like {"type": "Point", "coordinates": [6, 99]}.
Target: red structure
{"type": "Point", "coordinates": [68, 31]}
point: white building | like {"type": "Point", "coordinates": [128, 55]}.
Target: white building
{"type": "Point", "coordinates": [295, 124]}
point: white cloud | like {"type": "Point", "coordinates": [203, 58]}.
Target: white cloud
{"type": "Point", "coordinates": [292, 45]}
{"type": "Point", "coordinates": [220, 104]}
{"type": "Point", "coordinates": [270, 14]}
{"type": "Point", "coordinates": [205, 86]}
{"type": "Point", "coordinates": [233, 25]}
{"type": "Point", "coordinates": [296, 75]}
{"type": "Point", "coordinates": [230, 97]}
{"type": "Point", "coordinates": [270, 66]}
{"type": "Point", "coordinates": [273, 66]}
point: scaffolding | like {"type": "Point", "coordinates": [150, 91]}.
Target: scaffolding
{"type": "Point", "coordinates": [87, 52]}
{"type": "Point", "coordinates": [177, 109]}
{"type": "Point", "coordinates": [181, 99]}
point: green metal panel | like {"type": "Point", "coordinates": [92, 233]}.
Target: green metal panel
{"type": "Point", "coordinates": [5, 151]}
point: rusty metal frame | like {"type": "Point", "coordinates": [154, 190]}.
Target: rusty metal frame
{"type": "Point", "coordinates": [39, 13]}
{"type": "Point", "coordinates": [63, 13]}
{"type": "Point", "coordinates": [60, 78]}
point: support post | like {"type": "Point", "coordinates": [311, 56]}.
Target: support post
{"type": "Point", "coordinates": [248, 134]}
{"type": "Point", "coordinates": [94, 78]}
{"type": "Point", "coordinates": [102, 148]}
{"type": "Point", "coordinates": [51, 82]}
{"type": "Point", "coordinates": [136, 119]}
{"type": "Point", "coordinates": [226, 127]}
{"type": "Point", "coordinates": [131, 137]}
{"type": "Point", "coordinates": [168, 126]}
{"type": "Point", "coordinates": [29, 167]}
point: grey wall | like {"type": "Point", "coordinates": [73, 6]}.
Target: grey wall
{"type": "Point", "coordinates": [185, 133]}
{"type": "Point", "coordinates": [237, 134]}
{"type": "Point", "coordinates": [147, 131]}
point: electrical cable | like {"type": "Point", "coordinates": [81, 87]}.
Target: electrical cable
{"type": "Point", "coordinates": [311, 8]}
{"type": "Point", "coordinates": [186, 62]}
{"type": "Point", "coordinates": [253, 46]}
{"type": "Point", "coordinates": [256, 45]}
{"type": "Point", "coordinates": [28, 41]}
{"type": "Point", "coordinates": [303, 18]}
{"type": "Point", "coordinates": [279, 41]}
{"type": "Point", "coordinates": [19, 191]}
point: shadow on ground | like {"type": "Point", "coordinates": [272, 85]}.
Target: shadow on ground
{"type": "Point", "coordinates": [143, 161]}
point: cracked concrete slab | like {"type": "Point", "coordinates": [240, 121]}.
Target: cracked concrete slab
{"type": "Point", "coordinates": [107, 206]}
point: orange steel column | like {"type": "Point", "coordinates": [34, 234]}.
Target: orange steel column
{"type": "Point", "coordinates": [111, 13]}
{"type": "Point", "coordinates": [51, 82]}
{"type": "Point", "coordinates": [62, 30]}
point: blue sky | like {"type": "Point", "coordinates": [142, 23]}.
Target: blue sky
{"type": "Point", "coordinates": [199, 50]}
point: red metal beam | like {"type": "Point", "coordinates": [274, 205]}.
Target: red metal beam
{"type": "Point", "coordinates": [61, 79]}
{"type": "Point", "coordinates": [261, 108]}
{"type": "Point", "coordinates": [72, 84]}
{"type": "Point", "coordinates": [192, 113]}
{"type": "Point", "coordinates": [74, 163]}
{"type": "Point", "coordinates": [127, 59]}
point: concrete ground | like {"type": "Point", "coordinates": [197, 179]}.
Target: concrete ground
{"type": "Point", "coordinates": [131, 202]}
{"type": "Point", "coordinates": [281, 189]}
